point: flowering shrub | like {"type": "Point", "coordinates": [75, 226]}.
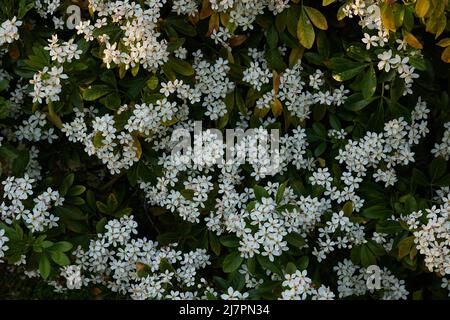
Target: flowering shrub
{"type": "Point", "coordinates": [97, 200]}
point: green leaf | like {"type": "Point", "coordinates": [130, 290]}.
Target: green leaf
{"type": "Point", "coordinates": [438, 168]}
{"type": "Point", "coordinates": [76, 190]}
{"type": "Point", "coordinates": [320, 149]}
{"type": "Point", "coordinates": [290, 268]}
{"type": "Point", "coordinates": [377, 212]}
{"type": "Point", "coordinates": [305, 31]}
{"type": "Point", "coordinates": [303, 263]}
{"type": "Point", "coordinates": [20, 163]}
{"type": "Point", "coordinates": [369, 83]}
{"type": "Point", "coordinates": [100, 225]}
{"type": "Point", "coordinates": [367, 257]}
{"type": "Point", "coordinates": [152, 83]}
{"type": "Point", "coordinates": [230, 241]}
{"type": "Point", "coordinates": [418, 63]}
{"type": "Point", "coordinates": [348, 74]}
{"type": "Point", "coordinates": [319, 130]}
{"type": "Point", "coordinates": [389, 227]}
{"type": "Point", "coordinates": [102, 207]}
{"type": "Point", "coordinates": [61, 246]}
{"type": "Point", "coordinates": [111, 101]}
{"type": "Point", "coordinates": [180, 66]}
{"type": "Point", "coordinates": [272, 37]}
{"type": "Point", "coordinates": [96, 91]}
{"type": "Point", "coordinates": [260, 192]}
{"type": "Point", "coordinates": [44, 266]}
{"type": "Point", "coordinates": [24, 7]}
{"type": "Point", "coordinates": [295, 240]}
{"type": "Point", "coordinates": [112, 203]}
{"type": "Point", "coordinates": [357, 102]}
{"type": "Point", "coordinates": [419, 177]}
{"type": "Point", "coordinates": [275, 59]}
{"type": "Point", "coordinates": [214, 243]}
{"type": "Point", "coordinates": [232, 262]}
{"type": "Point", "coordinates": [355, 254]}
{"type": "Point", "coordinates": [109, 78]}
{"type": "Point", "coordinates": [60, 258]}
{"type": "Point", "coordinates": [183, 27]}
{"type": "Point", "coordinates": [280, 192]}
{"type": "Point", "coordinates": [376, 248]}
{"type": "Point", "coordinates": [269, 265]}
{"type": "Point", "coordinates": [66, 184]}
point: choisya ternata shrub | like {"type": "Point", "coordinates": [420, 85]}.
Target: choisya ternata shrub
{"type": "Point", "coordinates": [92, 196]}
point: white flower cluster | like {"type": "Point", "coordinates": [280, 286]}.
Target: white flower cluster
{"type": "Point", "coordinates": [392, 147]}
{"type": "Point", "coordinates": [340, 232]}
{"type": "Point", "coordinates": [258, 73]}
{"type": "Point", "coordinates": [352, 281]}
{"type": "Point", "coordinates": [65, 52]}
{"type": "Point", "coordinates": [103, 140]}
{"type": "Point", "coordinates": [432, 238]}
{"type": "Point", "coordinates": [221, 36]}
{"type": "Point", "coordinates": [260, 225]}
{"type": "Point", "coordinates": [299, 287]}
{"type": "Point", "coordinates": [292, 90]}
{"type": "Point", "coordinates": [37, 219]}
{"type": "Point", "coordinates": [185, 7]}
{"type": "Point", "coordinates": [443, 149]}
{"type": "Point", "coordinates": [47, 84]}
{"type": "Point", "coordinates": [3, 247]}
{"type": "Point", "coordinates": [244, 12]}
{"type": "Point", "coordinates": [234, 295]}
{"type": "Point", "coordinates": [46, 7]}
{"type": "Point", "coordinates": [388, 61]}
{"type": "Point", "coordinates": [213, 84]}
{"type": "Point", "coordinates": [140, 44]}
{"type": "Point", "coordinates": [337, 134]}
{"type": "Point", "coordinates": [136, 267]}
{"type": "Point", "coordinates": [35, 129]}
{"type": "Point", "coordinates": [446, 285]}
{"type": "Point", "coordinates": [73, 277]}
{"type": "Point", "coordinates": [369, 14]}
{"type": "Point", "coordinates": [9, 31]}
{"type": "Point", "coordinates": [17, 98]}
{"type": "Point", "coordinates": [16, 192]}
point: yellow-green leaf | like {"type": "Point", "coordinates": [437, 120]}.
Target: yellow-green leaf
{"type": "Point", "coordinates": [135, 70]}
{"type": "Point", "coordinates": [277, 107]}
{"type": "Point", "coordinates": [327, 2]}
{"type": "Point", "coordinates": [412, 40]}
{"type": "Point", "coordinates": [446, 55]}
{"type": "Point", "coordinates": [404, 246]}
{"type": "Point", "coordinates": [440, 25]}
{"type": "Point", "coordinates": [295, 55]}
{"type": "Point", "coordinates": [348, 208]}
{"type": "Point", "coordinates": [152, 83]}
{"type": "Point", "coordinates": [317, 18]}
{"type": "Point", "coordinates": [305, 31]}
{"type": "Point", "coordinates": [388, 17]}
{"type": "Point", "coordinates": [53, 117]}
{"type": "Point", "coordinates": [422, 7]}
{"type": "Point", "coordinates": [444, 42]}
{"type": "Point", "coordinates": [138, 147]}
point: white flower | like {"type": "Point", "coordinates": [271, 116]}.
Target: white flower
{"type": "Point", "coordinates": [385, 60]}
{"type": "Point", "coordinates": [370, 41]}
{"type": "Point", "coordinates": [233, 295]}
